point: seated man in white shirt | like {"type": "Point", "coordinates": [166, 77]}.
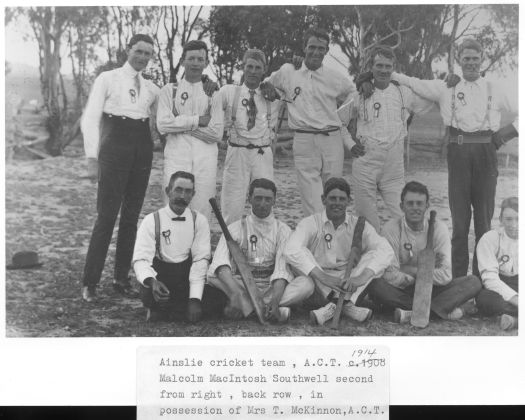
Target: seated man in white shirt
{"type": "Point", "coordinates": [408, 237]}
{"type": "Point", "coordinates": [498, 261]}
{"type": "Point", "coordinates": [320, 247]}
{"type": "Point", "coordinates": [262, 238]}
{"type": "Point", "coordinates": [171, 256]}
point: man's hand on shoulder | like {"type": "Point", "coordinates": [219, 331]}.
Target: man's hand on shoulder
{"type": "Point", "coordinates": [269, 92]}
{"type": "Point", "coordinates": [452, 80]}
{"type": "Point", "coordinates": [204, 120]}
{"type": "Point", "coordinates": [363, 84]}
{"type": "Point", "coordinates": [209, 86]}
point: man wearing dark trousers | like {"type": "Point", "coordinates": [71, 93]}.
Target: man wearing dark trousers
{"type": "Point", "coordinates": [118, 145]}
{"type": "Point", "coordinates": [171, 257]}
{"type": "Point", "coordinates": [472, 111]}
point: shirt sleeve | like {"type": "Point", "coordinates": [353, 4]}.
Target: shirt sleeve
{"type": "Point", "coordinates": [488, 265]}
{"type": "Point", "coordinates": [278, 78]}
{"type": "Point", "coordinates": [420, 105]}
{"type": "Point", "coordinates": [346, 91]}
{"type": "Point", "coordinates": [144, 251]}
{"type": "Point", "coordinates": [509, 103]}
{"type": "Point", "coordinates": [152, 112]}
{"type": "Point", "coordinates": [296, 250]}
{"type": "Point", "coordinates": [90, 123]}
{"type": "Point", "coordinates": [212, 133]}
{"type": "Point", "coordinates": [428, 89]}
{"type": "Point", "coordinates": [443, 272]}
{"type": "Point", "coordinates": [201, 255]}
{"type": "Point", "coordinates": [281, 270]}
{"type": "Point", "coordinates": [377, 252]}
{"type": "Point", "coordinates": [167, 122]}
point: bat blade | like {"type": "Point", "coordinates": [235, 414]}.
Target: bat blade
{"type": "Point", "coordinates": [426, 262]}
{"type": "Point", "coordinates": [242, 265]}
{"type": "Point", "coordinates": [423, 290]}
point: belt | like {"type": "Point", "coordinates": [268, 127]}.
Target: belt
{"type": "Point", "coordinates": [124, 118]}
{"type": "Point", "coordinates": [459, 136]}
{"type": "Point", "coordinates": [250, 146]}
{"type": "Point", "coordinates": [323, 132]}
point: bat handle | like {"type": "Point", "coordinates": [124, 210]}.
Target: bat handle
{"type": "Point", "coordinates": [430, 234]}
{"type": "Point", "coordinates": [220, 219]}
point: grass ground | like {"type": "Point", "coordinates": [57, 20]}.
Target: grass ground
{"type": "Point", "coordinates": [51, 208]}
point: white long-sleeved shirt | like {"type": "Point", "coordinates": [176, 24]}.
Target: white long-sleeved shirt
{"type": "Point", "coordinates": [183, 239]}
{"type": "Point", "coordinates": [271, 235]}
{"type": "Point", "coordinates": [471, 105]}
{"type": "Point", "coordinates": [111, 94]}
{"type": "Point", "coordinates": [191, 102]}
{"type": "Point", "coordinates": [387, 124]}
{"type": "Point", "coordinates": [261, 133]}
{"type": "Point", "coordinates": [492, 246]}
{"type": "Point", "coordinates": [308, 248]}
{"type": "Point", "coordinates": [398, 233]}
{"type": "Point", "coordinates": [321, 92]}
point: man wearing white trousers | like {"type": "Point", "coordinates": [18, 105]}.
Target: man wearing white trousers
{"type": "Point", "coordinates": [251, 119]}
{"type": "Point", "coordinates": [313, 94]}
{"type": "Point", "coordinates": [378, 164]}
{"type": "Point", "coordinates": [319, 249]}
{"type": "Point", "coordinates": [193, 123]}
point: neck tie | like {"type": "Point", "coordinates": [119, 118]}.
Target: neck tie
{"type": "Point", "coordinates": [252, 110]}
{"type": "Point", "coordinates": [136, 81]}
{"type": "Point", "coordinates": [179, 218]}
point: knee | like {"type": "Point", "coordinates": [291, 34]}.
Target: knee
{"type": "Point", "coordinates": [473, 283]}
{"type": "Point", "coordinates": [305, 285]}
{"type": "Point", "coordinates": [375, 287]}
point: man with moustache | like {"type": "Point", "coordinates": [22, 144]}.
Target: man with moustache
{"type": "Point", "coordinates": [171, 257]}
{"type": "Point", "coordinates": [408, 237]}
{"type": "Point", "coordinates": [262, 238]}
{"type": "Point", "coordinates": [192, 120]}
{"type": "Point", "coordinates": [499, 266]}
{"type": "Point", "coordinates": [472, 111]}
{"type": "Point", "coordinates": [319, 249]}
{"type": "Point", "coordinates": [381, 119]}
{"type": "Point", "coordinates": [250, 119]}
{"type": "Point", "coordinates": [118, 145]}
{"type": "Point", "coordinates": [313, 93]}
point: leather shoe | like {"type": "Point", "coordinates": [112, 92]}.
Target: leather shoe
{"type": "Point", "coordinates": [88, 294]}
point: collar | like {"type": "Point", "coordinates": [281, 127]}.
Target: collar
{"type": "Point", "coordinates": [199, 82]}
{"type": "Point", "coordinates": [478, 82]}
{"type": "Point", "coordinates": [504, 235]}
{"type": "Point", "coordinates": [325, 220]}
{"type": "Point", "coordinates": [172, 214]}
{"type": "Point", "coordinates": [267, 221]}
{"type": "Point", "coordinates": [247, 89]}
{"type": "Point", "coordinates": [306, 69]}
{"type": "Point", "coordinates": [130, 71]}
{"type": "Point", "coordinates": [405, 224]}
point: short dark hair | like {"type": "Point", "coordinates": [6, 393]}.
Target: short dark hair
{"type": "Point", "coordinates": [262, 183]}
{"type": "Point", "coordinates": [181, 174]}
{"type": "Point", "coordinates": [316, 32]}
{"type": "Point", "coordinates": [470, 44]}
{"type": "Point", "coordinates": [336, 183]}
{"type": "Point", "coordinates": [509, 203]}
{"type": "Point", "coordinates": [380, 49]}
{"type": "Point", "coordinates": [415, 187]}
{"type": "Point", "coordinates": [194, 45]}
{"type": "Point", "coordinates": [140, 37]}
{"type": "Point", "coordinates": [254, 54]}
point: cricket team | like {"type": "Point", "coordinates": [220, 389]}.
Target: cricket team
{"type": "Point", "coordinates": [172, 256]}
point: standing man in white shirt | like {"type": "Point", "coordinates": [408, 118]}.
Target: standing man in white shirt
{"type": "Point", "coordinates": [172, 254]}
{"type": "Point", "coordinates": [319, 249]}
{"type": "Point", "coordinates": [378, 164]}
{"type": "Point", "coordinates": [472, 111]}
{"type": "Point", "coordinates": [118, 144]}
{"type": "Point", "coordinates": [314, 92]}
{"type": "Point", "coordinates": [193, 123]}
{"type": "Point", "coordinates": [498, 260]}
{"type": "Point", "coordinates": [262, 238]}
{"type": "Point", "coordinates": [250, 119]}
{"type": "Point", "coordinates": [408, 237]}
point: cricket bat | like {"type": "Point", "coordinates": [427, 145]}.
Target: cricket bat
{"type": "Point", "coordinates": [353, 259]}
{"type": "Point", "coordinates": [242, 265]}
{"type": "Point", "coordinates": [426, 261]}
